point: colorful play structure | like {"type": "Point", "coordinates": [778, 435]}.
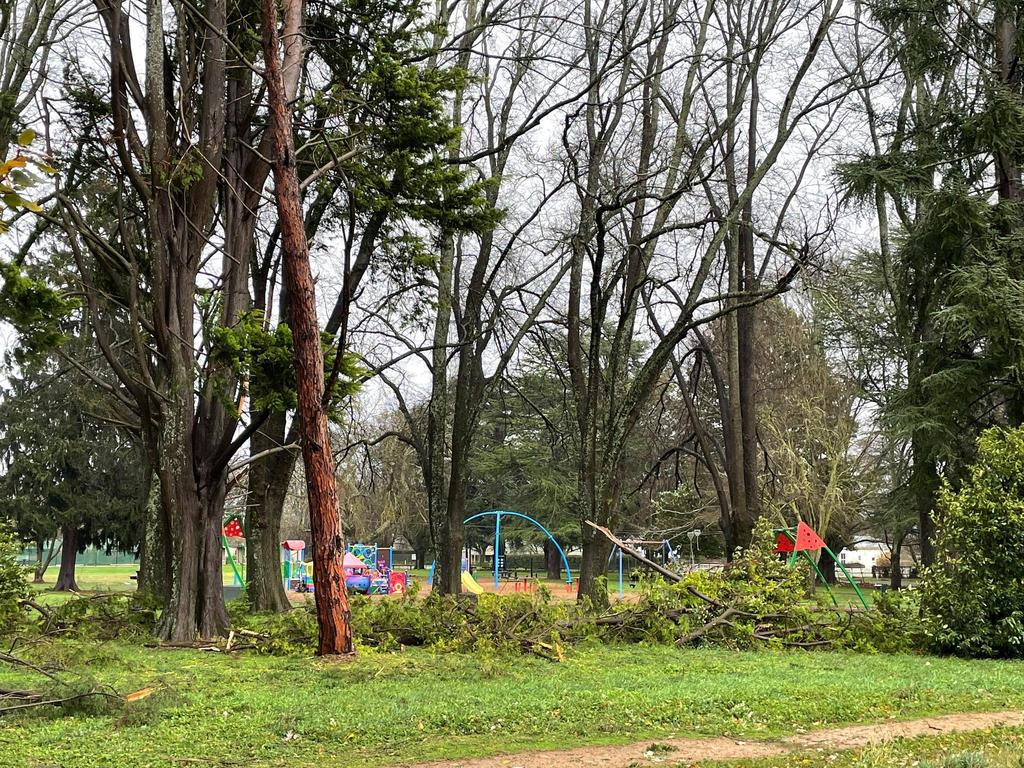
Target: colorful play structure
{"type": "Point", "coordinates": [232, 529]}
{"type": "Point", "coordinates": [296, 573]}
{"type": "Point", "coordinates": [468, 582]}
{"type": "Point", "coordinates": [660, 546]}
{"type": "Point", "coordinates": [370, 569]}
{"type": "Point", "coordinates": [804, 539]}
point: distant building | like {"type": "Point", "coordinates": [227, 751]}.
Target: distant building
{"type": "Point", "coordinates": [864, 555]}
{"type": "Point", "coordinates": [870, 558]}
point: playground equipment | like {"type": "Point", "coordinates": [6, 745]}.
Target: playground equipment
{"type": "Point", "coordinates": [661, 546]}
{"type": "Point", "coordinates": [497, 514]}
{"type": "Point", "coordinates": [363, 571]}
{"type": "Point", "coordinates": [357, 577]}
{"type": "Point", "coordinates": [469, 584]}
{"type": "Point", "coordinates": [296, 575]}
{"type": "Point", "coordinates": [232, 528]}
{"type": "Point", "coordinates": [804, 539]}
{"type": "Point", "coordinates": [378, 563]}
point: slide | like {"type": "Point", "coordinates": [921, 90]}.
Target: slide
{"type": "Point", "coordinates": [469, 584]}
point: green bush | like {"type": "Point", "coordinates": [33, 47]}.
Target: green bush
{"type": "Point", "coordinates": [972, 598]}
{"type": "Point", "coordinates": [893, 625]}
{"type": "Point", "coordinates": [13, 579]}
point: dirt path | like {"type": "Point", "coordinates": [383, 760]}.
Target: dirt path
{"type": "Point", "coordinates": [720, 748]}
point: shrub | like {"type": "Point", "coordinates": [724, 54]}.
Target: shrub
{"type": "Point", "coordinates": [893, 625]}
{"type": "Point", "coordinates": [972, 598]}
{"type": "Point", "coordinates": [13, 579]}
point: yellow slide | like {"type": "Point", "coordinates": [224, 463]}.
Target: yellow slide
{"type": "Point", "coordinates": [469, 584]}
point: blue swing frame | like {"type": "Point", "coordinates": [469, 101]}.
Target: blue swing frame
{"type": "Point", "coordinates": [497, 514]}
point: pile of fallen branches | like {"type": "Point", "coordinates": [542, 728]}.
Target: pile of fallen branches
{"type": "Point", "coordinates": [55, 693]}
{"type": "Point", "coordinates": [102, 616]}
{"type": "Point", "coordinates": [791, 623]}
{"type": "Point", "coordinates": [237, 640]}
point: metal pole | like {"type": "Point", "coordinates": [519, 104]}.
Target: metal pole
{"type": "Point", "coordinates": [620, 574]}
{"type": "Point", "coordinates": [497, 539]}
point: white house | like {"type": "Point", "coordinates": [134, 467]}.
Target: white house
{"type": "Point", "coordinates": [862, 556]}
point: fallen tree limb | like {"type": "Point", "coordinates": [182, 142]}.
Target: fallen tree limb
{"type": "Point", "coordinates": [44, 702]}
{"type": "Point", "coordinates": [16, 662]}
{"type": "Point", "coordinates": [670, 575]}
{"type": "Point", "coordinates": [721, 619]}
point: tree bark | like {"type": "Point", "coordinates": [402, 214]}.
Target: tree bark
{"type": "Point", "coordinates": [746, 326]}
{"type": "Point", "coordinates": [179, 503]}
{"type": "Point", "coordinates": [68, 554]}
{"type": "Point", "coordinates": [268, 486]}
{"type": "Point", "coordinates": [40, 570]}
{"type": "Point", "coordinates": [448, 575]}
{"type": "Point", "coordinates": [552, 561]}
{"type": "Point", "coordinates": [212, 612]}
{"type": "Point", "coordinates": [924, 481]}
{"type": "Point", "coordinates": [154, 577]}
{"type": "Point", "coordinates": [826, 564]}
{"type": "Point", "coordinates": [895, 571]}
{"type": "Point", "coordinates": [332, 608]}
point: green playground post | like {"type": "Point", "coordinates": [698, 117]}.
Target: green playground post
{"type": "Point", "coordinates": [821, 576]}
{"type": "Point", "coordinates": [814, 565]}
{"type": "Point", "coordinates": [849, 578]}
{"type": "Point", "coordinates": [231, 560]}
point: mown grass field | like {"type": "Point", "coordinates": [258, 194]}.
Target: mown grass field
{"type": "Point", "coordinates": [380, 709]}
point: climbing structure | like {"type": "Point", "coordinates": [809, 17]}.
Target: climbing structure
{"type": "Point", "coordinates": [803, 540]}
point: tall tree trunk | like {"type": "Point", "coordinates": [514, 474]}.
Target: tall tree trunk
{"type": "Point", "coordinates": [212, 615]}
{"type": "Point", "coordinates": [740, 527]}
{"type": "Point", "coordinates": [746, 327]}
{"type": "Point", "coordinates": [1008, 62]}
{"type": "Point", "coordinates": [448, 574]}
{"type": "Point", "coordinates": [924, 482]}
{"type": "Point", "coordinates": [268, 486]}
{"type": "Point", "coordinates": [826, 564]}
{"type": "Point", "coordinates": [552, 561]}
{"type": "Point", "coordinates": [154, 577]}
{"type": "Point", "coordinates": [895, 570]}
{"type": "Point", "coordinates": [180, 505]}
{"type": "Point", "coordinates": [594, 566]}
{"type": "Point", "coordinates": [68, 554]}
{"type": "Point", "coordinates": [40, 570]}
{"type": "Point", "coordinates": [332, 608]}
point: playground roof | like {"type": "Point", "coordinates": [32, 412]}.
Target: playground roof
{"type": "Point", "coordinates": [351, 561]}
{"type": "Point", "coordinates": [293, 545]}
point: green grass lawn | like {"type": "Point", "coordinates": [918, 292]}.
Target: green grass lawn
{"type": "Point", "coordinates": [378, 709]}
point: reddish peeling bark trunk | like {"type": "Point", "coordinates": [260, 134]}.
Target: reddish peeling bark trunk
{"type": "Point", "coordinates": [68, 553]}
{"type": "Point", "coordinates": [332, 608]}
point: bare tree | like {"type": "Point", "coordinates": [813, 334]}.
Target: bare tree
{"type": "Point", "coordinates": [680, 118]}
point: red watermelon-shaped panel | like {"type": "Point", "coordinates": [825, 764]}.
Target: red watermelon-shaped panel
{"type": "Point", "coordinates": [807, 539]}
{"type": "Point", "coordinates": [233, 528]}
{"type": "Point", "coordinates": [783, 543]}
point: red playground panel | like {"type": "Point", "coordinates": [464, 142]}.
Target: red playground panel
{"type": "Point", "coordinates": [783, 543]}
{"type": "Point", "coordinates": [807, 539]}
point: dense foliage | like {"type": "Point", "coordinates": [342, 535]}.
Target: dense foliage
{"type": "Point", "coordinates": [973, 597]}
{"type": "Point", "coordinates": [13, 582]}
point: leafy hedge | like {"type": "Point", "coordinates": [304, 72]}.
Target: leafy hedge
{"type": "Point", "coordinates": [13, 578]}
{"type": "Point", "coordinates": [972, 597]}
